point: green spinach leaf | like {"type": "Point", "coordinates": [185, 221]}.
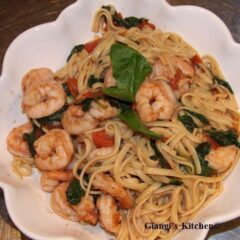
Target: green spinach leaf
{"type": "Point", "coordinates": [201, 117]}
{"type": "Point", "coordinates": [30, 138]}
{"type": "Point", "coordinates": [74, 192]}
{"type": "Point", "coordinates": [86, 104]}
{"type": "Point", "coordinates": [76, 49]}
{"type": "Point", "coordinates": [57, 116]}
{"type": "Point", "coordinates": [202, 150]}
{"type": "Point", "coordinates": [224, 138]}
{"type": "Point", "coordinates": [92, 80]}
{"type": "Point", "coordinates": [188, 122]}
{"type": "Point", "coordinates": [158, 155]}
{"type": "Point", "coordinates": [223, 83]}
{"type": "Point", "coordinates": [130, 69]}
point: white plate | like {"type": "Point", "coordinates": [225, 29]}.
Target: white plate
{"type": "Point", "coordinates": [49, 45]}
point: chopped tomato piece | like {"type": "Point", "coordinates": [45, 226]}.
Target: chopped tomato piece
{"type": "Point", "coordinates": [73, 86]}
{"type": "Point", "coordinates": [196, 60]}
{"type": "Point", "coordinates": [213, 143]}
{"type": "Point", "coordinates": [90, 46]}
{"type": "Point", "coordinates": [91, 94]}
{"type": "Point", "coordinates": [146, 23]}
{"type": "Point", "coordinates": [164, 139]}
{"type": "Point", "coordinates": [174, 81]}
{"type": "Point", "coordinates": [101, 139]}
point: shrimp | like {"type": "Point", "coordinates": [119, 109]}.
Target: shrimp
{"type": "Point", "coordinates": [49, 180]}
{"type": "Point", "coordinates": [54, 150]}
{"type": "Point", "coordinates": [221, 158]}
{"type": "Point", "coordinates": [181, 79]}
{"type": "Point", "coordinates": [103, 151]}
{"type": "Point", "coordinates": [107, 185]}
{"type": "Point", "coordinates": [155, 100]}
{"type": "Point", "coordinates": [36, 76]}
{"type": "Point", "coordinates": [109, 80]}
{"type": "Point", "coordinates": [16, 143]}
{"type": "Point", "coordinates": [60, 205]}
{"type": "Point", "coordinates": [102, 110]}
{"type": "Point", "coordinates": [86, 210]}
{"type": "Point", "coordinates": [43, 99]}
{"type": "Point", "coordinates": [186, 67]}
{"type": "Point", "coordinates": [76, 121]}
{"type": "Point", "coordinates": [109, 216]}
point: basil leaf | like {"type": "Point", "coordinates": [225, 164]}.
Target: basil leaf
{"type": "Point", "coordinates": [57, 116]}
{"type": "Point", "coordinates": [130, 69]}
{"type": "Point", "coordinates": [76, 49]}
{"type": "Point", "coordinates": [223, 83]}
{"type": "Point", "coordinates": [74, 192]}
{"type": "Point", "coordinates": [202, 150]}
{"type": "Point", "coordinates": [92, 80]}
{"type": "Point", "coordinates": [131, 118]}
{"type": "Point", "coordinates": [224, 138]}
{"type": "Point", "coordinates": [188, 122]}
{"type": "Point", "coordinates": [201, 117]}
{"type": "Point", "coordinates": [158, 155]}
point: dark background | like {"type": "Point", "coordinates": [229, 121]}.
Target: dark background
{"type": "Point", "coordinates": [17, 16]}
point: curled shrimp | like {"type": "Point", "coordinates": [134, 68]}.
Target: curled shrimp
{"type": "Point", "coordinates": [49, 180]}
{"type": "Point", "coordinates": [16, 143]}
{"type": "Point", "coordinates": [221, 158]}
{"type": "Point", "coordinates": [102, 110]}
{"type": "Point", "coordinates": [107, 185]}
{"type": "Point", "coordinates": [86, 210]}
{"type": "Point", "coordinates": [109, 80]}
{"type": "Point", "coordinates": [43, 99]}
{"type": "Point", "coordinates": [36, 76]}
{"type": "Point", "coordinates": [109, 216]}
{"type": "Point", "coordinates": [60, 205]}
{"type": "Point", "coordinates": [54, 150]}
{"type": "Point", "coordinates": [155, 100]}
{"type": "Point", "coordinates": [76, 121]}
{"type": "Point", "coordinates": [97, 152]}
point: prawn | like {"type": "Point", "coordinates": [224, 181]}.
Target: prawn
{"type": "Point", "coordinates": [76, 121]}
{"type": "Point", "coordinates": [102, 110]}
{"type": "Point", "coordinates": [86, 210]}
{"type": "Point", "coordinates": [16, 143]}
{"type": "Point", "coordinates": [109, 80]}
{"type": "Point", "coordinates": [54, 150]}
{"type": "Point", "coordinates": [43, 99]}
{"type": "Point", "coordinates": [107, 185]}
{"type": "Point", "coordinates": [181, 79]}
{"type": "Point", "coordinates": [221, 158]}
{"type": "Point", "coordinates": [36, 76]}
{"type": "Point", "coordinates": [60, 205]}
{"type": "Point", "coordinates": [49, 180]}
{"type": "Point", "coordinates": [109, 216]}
{"type": "Point", "coordinates": [155, 100]}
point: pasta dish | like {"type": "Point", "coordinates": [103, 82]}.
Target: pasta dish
{"type": "Point", "coordinates": [136, 128]}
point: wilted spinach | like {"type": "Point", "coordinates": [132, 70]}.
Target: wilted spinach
{"type": "Point", "coordinates": [158, 155]}
{"type": "Point", "coordinates": [202, 150]}
{"type": "Point", "coordinates": [74, 192]}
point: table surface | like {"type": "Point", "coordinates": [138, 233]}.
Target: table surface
{"type": "Point", "coordinates": [17, 16]}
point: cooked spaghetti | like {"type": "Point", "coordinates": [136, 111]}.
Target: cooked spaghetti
{"type": "Point", "coordinates": [136, 128]}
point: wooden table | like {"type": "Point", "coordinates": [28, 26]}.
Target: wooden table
{"type": "Point", "coordinates": [18, 15]}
